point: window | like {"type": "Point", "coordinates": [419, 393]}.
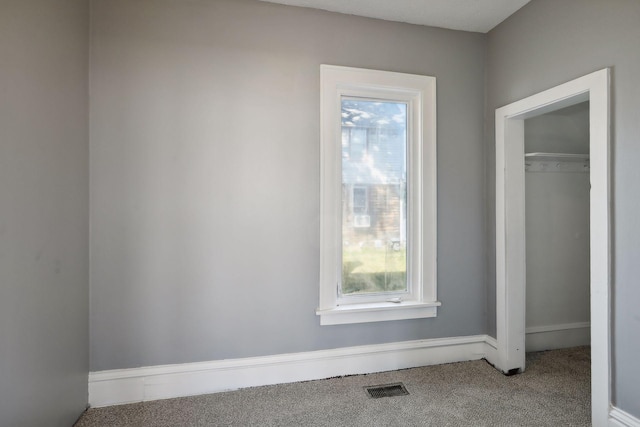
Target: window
{"type": "Point", "coordinates": [378, 196]}
{"type": "Point", "coordinates": [360, 217]}
{"type": "Point", "coordinates": [360, 202]}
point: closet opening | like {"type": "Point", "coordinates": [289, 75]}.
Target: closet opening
{"type": "Point", "coordinates": [556, 164]}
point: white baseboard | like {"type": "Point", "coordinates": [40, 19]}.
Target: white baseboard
{"type": "Point", "coordinates": [121, 386]}
{"type": "Point", "coordinates": [551, 337]}
{"type": "Point", "coordinates": [491, 350]}
{"type": "Point", "coordinates": [620, 418]}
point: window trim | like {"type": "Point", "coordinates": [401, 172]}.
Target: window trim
{"type": "Point", "coordinates": [419, 92]}
{"type": "Point", "coordinates": [365, 190]}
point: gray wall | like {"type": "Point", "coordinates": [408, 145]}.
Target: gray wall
{"type": "Point", "coordinates": [550, 42]}
{"type": "Point", "coordinates": [557, 235]}
{"type": "Point", "coordinates": [44, 211]}
{"type": "Point", "coordinates": [205, 177]}
{"type": "Point", "coordinates": [561, 131]}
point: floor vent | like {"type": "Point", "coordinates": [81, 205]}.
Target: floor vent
{"type": "Point", "coordinates": [387, 390]}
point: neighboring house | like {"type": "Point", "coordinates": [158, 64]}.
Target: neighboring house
{"type": "Point", "coordinates": [374, 174]}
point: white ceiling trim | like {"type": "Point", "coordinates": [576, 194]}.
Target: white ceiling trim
{"type": "Point", "coordinates": [466, 15]}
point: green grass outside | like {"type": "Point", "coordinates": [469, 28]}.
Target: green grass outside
{"type": "Point", "coordinates": [367, 270]}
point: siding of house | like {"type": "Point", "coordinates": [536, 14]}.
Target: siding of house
{"type": "Point", "coordinates": [383, 210]}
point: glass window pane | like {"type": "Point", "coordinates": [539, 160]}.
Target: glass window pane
{"type": "Point", "coordinates": [374, 202]}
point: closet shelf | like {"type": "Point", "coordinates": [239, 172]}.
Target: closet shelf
{"type": "Point", "coordinates": [557, 157]}
{"type": "Point", "coordinates": [556, 162]}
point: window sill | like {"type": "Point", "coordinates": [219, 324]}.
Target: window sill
{"type": "Point", "coordinates": [377, 312]}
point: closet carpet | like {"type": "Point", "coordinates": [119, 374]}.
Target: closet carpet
{"type": "Point", "coordinates": [554, 391]}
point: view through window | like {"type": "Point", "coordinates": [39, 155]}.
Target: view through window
{"type": "Point", "coordinates": [374, 196]}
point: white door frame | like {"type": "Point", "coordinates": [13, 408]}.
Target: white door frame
{"type": "Point", "coordinates": [510, 228]}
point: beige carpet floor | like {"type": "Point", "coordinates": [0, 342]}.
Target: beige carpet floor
{"type": "Point", "coordinates": [554, 391]}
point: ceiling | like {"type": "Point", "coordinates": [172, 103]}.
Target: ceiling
{"type": "Point", "coordinates": [466, 15]}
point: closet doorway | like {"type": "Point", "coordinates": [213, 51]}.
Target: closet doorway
{"type": "Point", "coordinates": [511, 254]}
{"type": "Point", "coordinates": [556, 164]}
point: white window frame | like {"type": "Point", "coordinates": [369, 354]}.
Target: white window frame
{"type": "Point", "coordinates": [419, 93]}
{"type": "Point", "coordinates": [365, 189]}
